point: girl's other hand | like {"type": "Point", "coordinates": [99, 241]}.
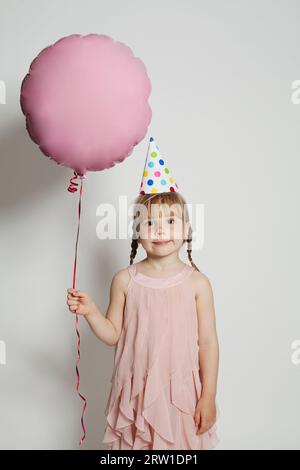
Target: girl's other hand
{"type": "Point", "coordinates": [80, 303]}
{"type": "Point", "coordinates": [205, 414]}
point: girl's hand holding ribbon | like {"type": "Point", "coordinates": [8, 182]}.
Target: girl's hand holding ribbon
{"type": "Point", "coordinates": [81, 303]}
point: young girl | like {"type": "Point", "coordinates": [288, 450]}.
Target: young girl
{"type": "Point", "coordinates": [162, 323]}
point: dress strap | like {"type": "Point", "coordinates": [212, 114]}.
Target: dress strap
{"type": "Point", "coordinates": [132, 270]}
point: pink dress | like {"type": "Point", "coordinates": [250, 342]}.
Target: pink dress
{"type": "Point", "coordinates": [155, 380]}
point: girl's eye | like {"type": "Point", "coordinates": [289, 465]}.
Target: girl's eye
{"type": "Point", "coordinates": [149, 223]}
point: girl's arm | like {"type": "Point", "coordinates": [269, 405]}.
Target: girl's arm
{"type": "Point", "coordinates": [205, 414]}
{"type": "Point", "coordinates": [207, 334]}
{"type": "Point", "coordinates": [106, 328]}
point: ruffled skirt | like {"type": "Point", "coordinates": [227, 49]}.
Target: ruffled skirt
{"type": "Point", "coordinates": [142, 413]}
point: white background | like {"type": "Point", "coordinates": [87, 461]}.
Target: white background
{"type": "Point", "coordinates": [221, 76]}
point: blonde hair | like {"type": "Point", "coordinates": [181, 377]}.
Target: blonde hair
{"type": "Point", "coordinates": [169, 198]}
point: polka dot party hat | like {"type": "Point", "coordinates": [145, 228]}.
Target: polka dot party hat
{"type": "Point", "coordinates": [157, 177]}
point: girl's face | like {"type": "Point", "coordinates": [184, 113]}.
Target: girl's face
{"type": "Point", "coordinates": [162, 229]}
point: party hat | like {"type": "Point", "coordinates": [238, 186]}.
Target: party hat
{"type": "Point", "coordinates": [156, 175]}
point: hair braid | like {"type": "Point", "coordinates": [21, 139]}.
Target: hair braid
{"type": "Point", "coordinates": [134, 247]}
{"type": "Point", "coordinates": [189, 249]}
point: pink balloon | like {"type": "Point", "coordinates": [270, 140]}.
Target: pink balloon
{"type": "Point", "coordinates": [85, 102]}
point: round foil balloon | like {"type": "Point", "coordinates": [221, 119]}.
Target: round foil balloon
{"type": "Point", "coordinates": [85, 102]}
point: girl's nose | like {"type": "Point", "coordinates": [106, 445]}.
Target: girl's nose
{"type": "Point", "coordinates": [159, 231]}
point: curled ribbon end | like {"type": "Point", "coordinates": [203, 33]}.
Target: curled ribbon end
{"type": "Point", "coordinates": [73, 186]}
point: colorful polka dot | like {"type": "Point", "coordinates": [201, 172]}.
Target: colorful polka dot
{"type": "Point", "coordinates": [154, 190]}
{"type": "Point", "coordinates": [153, 154]}
{"type": "Point", "coordinates": [146, 173]}
{"type": "Point", "coordinates": [166, 170]}
{"type": "Point", "coordinates": [150, 164]}
{"type": "Point", "coordinates": [157, 173]}
{"type": "Point", "coordinates": [172, 189]}
{"type": "Point", "coordinates": [171, 180]}
{"type": "Point", "coordinates": [150, 182]}
{"type": "Point", "coordinates": [161, 162]}
{"type": "Point", "coordinates": [163, 182]}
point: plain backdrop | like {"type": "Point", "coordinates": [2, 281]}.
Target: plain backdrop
{"type": "Point", "coordinates": [222, 75]}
